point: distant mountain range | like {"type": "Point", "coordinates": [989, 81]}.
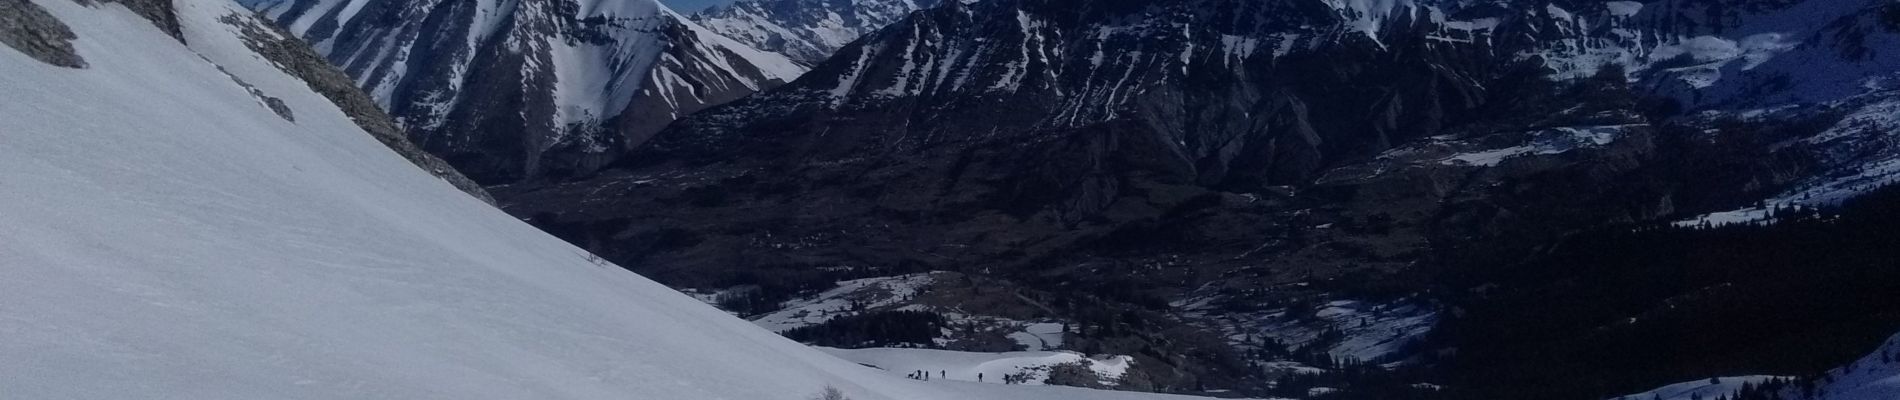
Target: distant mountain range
{"type": "Point", "coordinates": [1227, 190]}
{"type": "Point", "coordinates": [512, 91]}
{"type": "Point", "coordinates": [1222, 164]}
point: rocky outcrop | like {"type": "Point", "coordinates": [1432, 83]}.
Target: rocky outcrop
{"type": "Point", "coordinates": [160, 12]}
{"type": "Point", "coordinates": [29, 29]}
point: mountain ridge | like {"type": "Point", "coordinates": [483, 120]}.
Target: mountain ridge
{"type": "Point", "coordinates": [595, 79]}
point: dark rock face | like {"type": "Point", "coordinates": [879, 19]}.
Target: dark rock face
{"type": "Point", "coordinates": [160, 12]}
{"type": "Point", "coordinates": [807, 31]}
{"type": "Point", "coordinates": [26, 27]}
{"type": "Point", "coordinates": [513, 91]}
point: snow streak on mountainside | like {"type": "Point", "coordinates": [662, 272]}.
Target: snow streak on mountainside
{"type": "Point", "coordinates": [170, 232]}
{"type": "Point", "coordinates": [805, 30]}
{"type": "Point", "coordinates": [863, 296]}
{"type": "Point", "coordinates": [513, 90]}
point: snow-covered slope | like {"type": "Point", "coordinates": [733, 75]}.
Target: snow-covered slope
{"type": "Point", "coordinates": [512, 90]}
{"type": "Point", "coordinates": [805, 30]}
{"type": "Point", "coordinates": [168, 233]}
{"type": "Point", "coordinates": [1874, 377]}
{"type": "Point", "coordinates": [1700, 389]}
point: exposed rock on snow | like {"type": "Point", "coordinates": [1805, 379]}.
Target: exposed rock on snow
{"type": "Point", "coordinates": [26, 27]}
{"type": "Point", "coordinates": [294, 57]}
{"type": "Point", "coordinates": [159, 12]}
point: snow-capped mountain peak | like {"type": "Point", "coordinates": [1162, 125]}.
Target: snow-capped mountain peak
{"type": "Point", "coordinates": [514, 90]}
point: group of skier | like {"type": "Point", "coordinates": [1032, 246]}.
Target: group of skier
{"type": "Point", "coordinates": [923, 375]}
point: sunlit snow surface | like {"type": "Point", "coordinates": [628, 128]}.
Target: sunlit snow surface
{"type": "Point", "coordinates": [165, 236]}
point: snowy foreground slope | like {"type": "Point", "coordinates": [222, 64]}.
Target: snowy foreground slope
{"type": "Point", "coordinates": [165, 234]}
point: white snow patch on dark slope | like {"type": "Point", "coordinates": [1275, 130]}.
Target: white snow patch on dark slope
{"type": "Point", "coordinates": [1700, 389]}
{"type": "Point", "coordinates": [984, 367]}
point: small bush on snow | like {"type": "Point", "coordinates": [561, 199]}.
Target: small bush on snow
{"type": "Point", "coordinates": [830, 393]}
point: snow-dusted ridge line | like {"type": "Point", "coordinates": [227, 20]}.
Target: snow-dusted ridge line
{"type": "Point", "coordinates": [162, 230]}
{"type": "Point", "coordinates": [1875, 376]}
{"type": "Point", "coordinates": [1744, 61]}
{"type": "Point", "coordinates": [1712, 388]}
{"type": "Point", "coordinates": [513, 90]}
